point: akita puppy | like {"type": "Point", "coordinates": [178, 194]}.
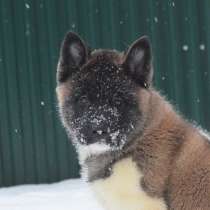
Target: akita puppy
{"type": "Point", "coordinates": [136, 152]}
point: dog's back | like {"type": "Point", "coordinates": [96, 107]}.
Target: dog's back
{"type": "Point", "coordinates": [174, 156]}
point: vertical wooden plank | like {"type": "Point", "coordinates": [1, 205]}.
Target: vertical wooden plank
{"type": "Point", "coordinates": [13, 96]}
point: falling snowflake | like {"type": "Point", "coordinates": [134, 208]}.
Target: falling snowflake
{"type": "Point", "coordinates": [202, 47]}
{"type": "Point", "coordinates": [156, 19]}
{"type": "Point", "coordinates": [185, 47]}
{"type": "Point", "coordinates": [97, 10]}
{"type": "Point", "coordinates": [27, 6]}
{"type": "Point", "coordinates": [198, 100]}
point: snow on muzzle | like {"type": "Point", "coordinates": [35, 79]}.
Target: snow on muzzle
{"type": "Point", "coordinates": [101, 125]}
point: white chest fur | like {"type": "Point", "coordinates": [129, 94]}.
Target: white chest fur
{"type": "Point", "coordinates": [122, 190]}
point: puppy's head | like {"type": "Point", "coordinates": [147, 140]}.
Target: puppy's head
{"type": "Point", "coordinates": [99, 92]}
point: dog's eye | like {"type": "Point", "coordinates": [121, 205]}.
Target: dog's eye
{"type": "Point", "coordinates": [79, 98]}
{"type": "Point", "coordinates": [83, 99]}
{"type": "Point", "coordinates": [82, 102]}
{"type": "Point", "coordinates": [81, 105]}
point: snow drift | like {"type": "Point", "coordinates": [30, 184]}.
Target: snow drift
{"type": "Point", "coordinates": [65, 195]}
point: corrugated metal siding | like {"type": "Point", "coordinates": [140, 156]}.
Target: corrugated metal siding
{"type": "Point", "coordinates": [33, 145]}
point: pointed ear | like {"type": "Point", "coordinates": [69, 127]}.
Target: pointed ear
{"type": "Point", "coordinates": [73, 54]}
{"type": "Point", "coordinates": [138, 61]}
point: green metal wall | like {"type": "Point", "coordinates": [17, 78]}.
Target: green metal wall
{"type": "Point", "coordinates": [33, 144]}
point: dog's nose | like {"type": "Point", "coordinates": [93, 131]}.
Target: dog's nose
{"type": "Point", "coordinates": [100, 130]}
{"type": "Point", "coordinates": [102, 133]}
{"type": "Point", "coordinates": [96, 133]}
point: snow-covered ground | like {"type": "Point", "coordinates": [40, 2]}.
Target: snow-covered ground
{"type": "Point", "coordinates": [65, 195]}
